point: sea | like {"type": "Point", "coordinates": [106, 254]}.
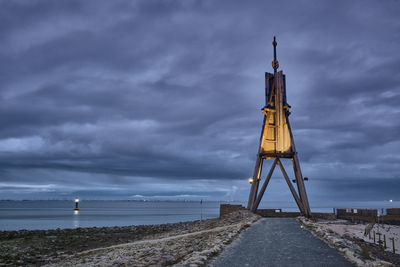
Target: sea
{"type": "Point", "coordinates": [53, 214]}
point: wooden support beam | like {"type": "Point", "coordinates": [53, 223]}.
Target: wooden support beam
{"type": "Point", "coordinates": [296, 198]}
{"type": "Point", "coordinates": [264, 186]}
{"type": "Point", "coordinates": [276, 155]}
{"type": "Point", "coordinates": [299, 175]}
{"type": "Point", "coordinates": [300, 186]}
{"type": "Point", "coordinates": [256, 181]}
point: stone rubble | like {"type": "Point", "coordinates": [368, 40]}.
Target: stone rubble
{"type": "Point", "coordinates": [179, 244]}
{"type": "Point", "coordinates": [351, 250]}
{"type": "Point", "coordinates": [184, 249]}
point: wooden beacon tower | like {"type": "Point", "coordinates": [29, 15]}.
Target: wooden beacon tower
{"type": "Point", "coordinates": [277, 142]}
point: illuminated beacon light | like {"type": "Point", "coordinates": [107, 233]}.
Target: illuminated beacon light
{"type": "Point", "coordinates": [391, 200]}
{"type": "Point", "coordinates": [251, 180]}
{"type": "Point", "coordinates": [76, 204]}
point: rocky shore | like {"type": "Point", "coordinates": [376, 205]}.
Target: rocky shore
{"type": "Point", "coordinates": [179, 244]}
{"type": "Point", "coordinates": [354, 249]}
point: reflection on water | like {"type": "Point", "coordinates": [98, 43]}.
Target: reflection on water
{"type": "Point", "coordinates": [76, 219]}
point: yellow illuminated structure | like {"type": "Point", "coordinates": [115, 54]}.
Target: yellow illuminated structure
{"type": "Point", "coordinates": [276, 135]}
{"type": "Point", "coordinates": [277, 141]}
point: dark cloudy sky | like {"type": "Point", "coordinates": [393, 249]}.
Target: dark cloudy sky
{"type": "Point", "coordinates": [161, 99]}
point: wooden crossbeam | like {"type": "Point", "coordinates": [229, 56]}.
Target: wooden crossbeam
{"type": "Point", "coordinates": [276, 155]}
{"type": "Point", "coordinates": [296, 198]}
{"type": "Point", "coordinates": [256, 181]}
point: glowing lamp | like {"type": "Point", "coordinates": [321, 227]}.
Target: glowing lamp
{"type": "Point", "coordinates": [251, 180]}
{"type": "Point", "coordinates": [391, 200]}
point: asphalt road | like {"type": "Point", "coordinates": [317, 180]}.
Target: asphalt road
{"type": "Point", "coordinates": [279, 242]}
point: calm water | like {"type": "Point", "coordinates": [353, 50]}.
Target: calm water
{"type": "Point", "coordinates": [16, 215]}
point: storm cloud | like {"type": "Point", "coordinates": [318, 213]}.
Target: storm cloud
{"type": "Point", "coordinates": [161, 99]}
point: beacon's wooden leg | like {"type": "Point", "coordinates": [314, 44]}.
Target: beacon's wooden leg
{"type": "Point", "coordinates": [300, 185]}
{"type": "Point", "coordinates": [256, 181]}
{"type": "Point", "coordinates": [296, 198]}
{"type": "Point", "coordinates": [298, 175]}
{"type": "Point", "coordinates": [262, 190]}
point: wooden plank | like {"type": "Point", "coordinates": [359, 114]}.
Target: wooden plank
{"type": "Point", "coordinates": [276, 155]}
{"type": "Point", "coordinates": [264, 186]}
{"type": "Point", "coordinates": [296, 198]}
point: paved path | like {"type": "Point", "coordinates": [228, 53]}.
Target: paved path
{"type": "Point", "coordinates": [279, 242]}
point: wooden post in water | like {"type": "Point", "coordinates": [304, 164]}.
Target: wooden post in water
{"type": "Point", "coordinates": [277, 142]}
{"type": "Point", "coordinates": [201, 210]}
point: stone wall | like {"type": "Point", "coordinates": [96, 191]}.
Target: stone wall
{"type": "Point", "coordinates": [280, 213]}
{"type": "Point", "coordinates": [393, 212]}
{"type": "Point", "coordinates": [390, 219]}
{"type": "Point", "coordinates": [276, 213]}
{"type": "Point", "coordinates": [357, 212]}
{"type": "Point", "coordinates": [370, 215]}
{"type": "Point", "coordinates": [366, 215]}
{"type": "Point", "coordinates": [228, 208]}
{"type": "Point", "coordinates": [324, 216]}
